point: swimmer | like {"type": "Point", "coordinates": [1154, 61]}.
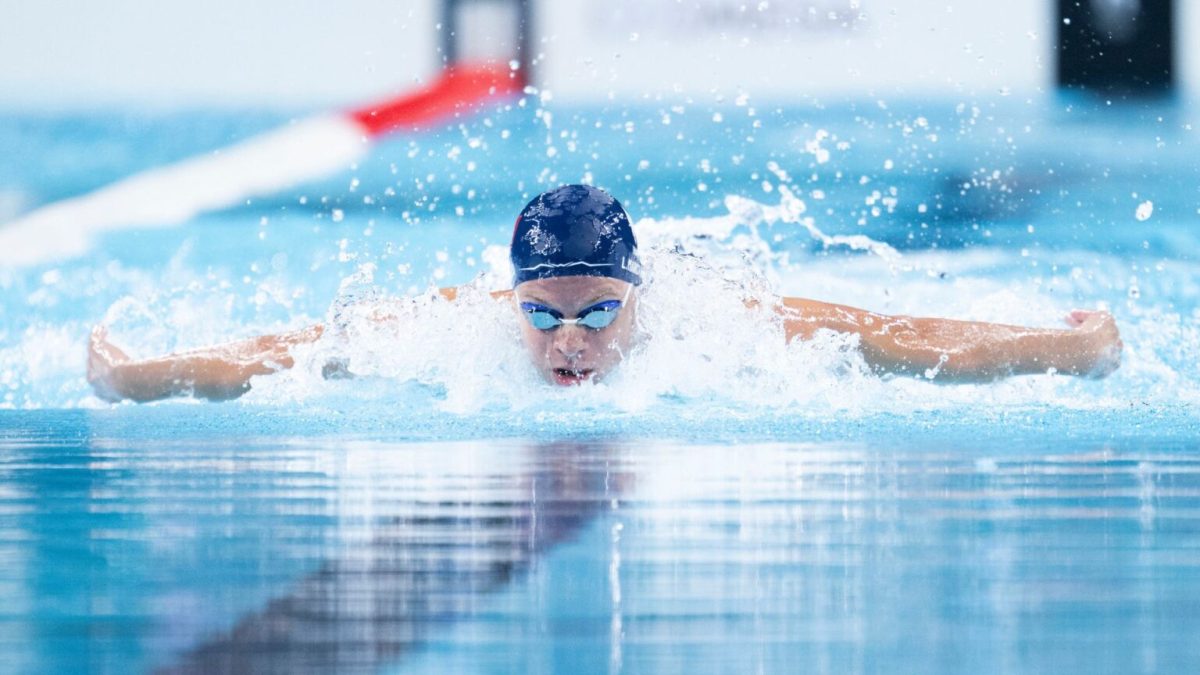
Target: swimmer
{"type": "Point", "coordinates": [575, 298]}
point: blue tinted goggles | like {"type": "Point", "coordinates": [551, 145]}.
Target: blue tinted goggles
{"type": "Point", "coordinates": [597, 316]}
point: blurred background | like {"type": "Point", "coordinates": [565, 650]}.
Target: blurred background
{"type": "Point", "coordinates": [277, 53]}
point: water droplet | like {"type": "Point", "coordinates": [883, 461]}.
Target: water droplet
{"type": "Point", "coordinates": [1144, 210]}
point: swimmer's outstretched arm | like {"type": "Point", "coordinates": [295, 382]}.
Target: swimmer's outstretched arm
{"type": "Point", "coordinates": [964, 351]}
{"type": "Point", "coordinates": [216, 373]}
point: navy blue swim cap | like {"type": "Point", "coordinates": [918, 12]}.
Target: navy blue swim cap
{"type": "Point", "coordinates": [571, 231]}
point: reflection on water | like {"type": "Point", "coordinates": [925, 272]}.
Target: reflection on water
{"type": "Point", "coordinates": [324, 555]}
{"type": "Point", "coordinates": [449, 536]}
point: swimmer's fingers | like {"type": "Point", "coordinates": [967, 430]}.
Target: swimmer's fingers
{"type": "Point", "coordinates": [100, 348]}
{"type": "Point", "coordinates": [96, 362]}
{"type": "Point", "coordinates": [103, 357]}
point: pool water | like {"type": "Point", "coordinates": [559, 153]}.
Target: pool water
{"type": "Point", "coordinates": [724, 504]}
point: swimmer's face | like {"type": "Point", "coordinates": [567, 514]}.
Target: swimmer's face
{"type": "Point", "coordinates": [573, 354]}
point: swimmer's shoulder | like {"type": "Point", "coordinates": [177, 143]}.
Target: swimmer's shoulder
{"type": "Point", "coordinates": [806, 306]}
{"type": "Point", "coordinates": [793, 307]}
{"type": "Point", "coordinates": [392, 310]}
{"type": "Point", "coordinates": [451, 293]}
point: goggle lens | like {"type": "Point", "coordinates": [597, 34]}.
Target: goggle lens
{"type": "Point", "coordinates": [600, 317]}
{"type": "Point", "coordinates": [596, 317]}
{"type": "Point", "coordinates": [543, 320]}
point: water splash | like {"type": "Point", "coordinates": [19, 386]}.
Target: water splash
{"type": "Point", "coordinates": [702, 342]}
{"type": "Point", "coordinates": [737, 240]}
{"type": "Point", "coordinates": [703, 347]}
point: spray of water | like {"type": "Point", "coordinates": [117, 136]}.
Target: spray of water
{"type": "Point", "coordinates": [701, 343]}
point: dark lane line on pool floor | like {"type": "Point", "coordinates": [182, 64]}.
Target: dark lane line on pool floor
{"type": "Point", "coordinates": [423, 572]}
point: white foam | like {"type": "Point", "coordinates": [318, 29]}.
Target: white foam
{"type": "Point", "coordinates": [466, 353]}
{"type": "Point", "coordinates": [701, 343]}
{"type": "Point", "coordinates": [173, 194]}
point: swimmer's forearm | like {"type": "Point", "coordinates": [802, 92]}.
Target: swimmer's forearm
{"type": "Point", "coordinates": [964, 351]}
{"type": "Point", "coordinates": [217, 373]}
{"type": "Point", "coordinates": [209, 377]}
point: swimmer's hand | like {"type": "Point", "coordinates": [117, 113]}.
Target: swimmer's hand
{"type": "Point", "coordinates": [215, 373]}
{"type": "Point", "coordinates": [1099, 346]}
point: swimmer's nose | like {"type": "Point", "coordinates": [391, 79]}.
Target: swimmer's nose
{"type": "Point", "coordinates": [569, 341]}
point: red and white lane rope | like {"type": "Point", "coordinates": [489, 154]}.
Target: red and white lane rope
{"type": "Point", "coordinates": [302, 151]}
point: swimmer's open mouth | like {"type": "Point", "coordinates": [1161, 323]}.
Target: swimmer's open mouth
{"type": "Point", "coordinates": [567, 376]}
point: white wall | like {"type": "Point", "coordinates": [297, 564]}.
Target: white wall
{"type": "Point", "coordinates": [312, 52]}
{"type": "Point", "coordinates": [797, 47]}
{"type": "Point", "coordinates": [1187, 45]}
{"type": "Point", "coordinates": [224, 51]}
